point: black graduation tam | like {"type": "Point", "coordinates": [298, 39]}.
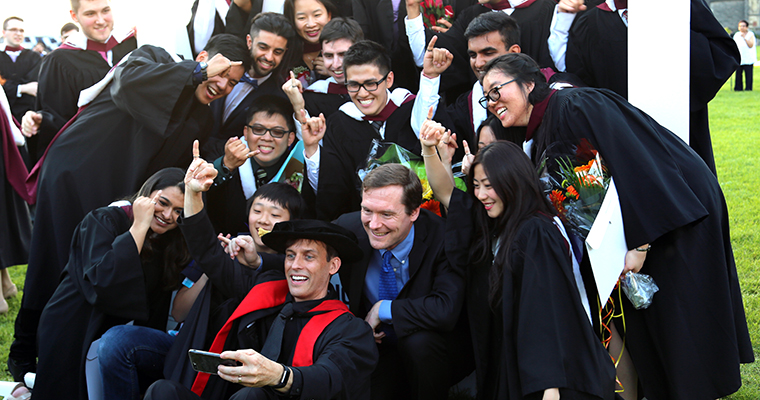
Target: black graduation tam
{"type": "Point", "coordinates": [339, 238]}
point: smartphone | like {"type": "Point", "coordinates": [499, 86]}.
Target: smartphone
{"type": "Point", "coordinates": [204, 361]}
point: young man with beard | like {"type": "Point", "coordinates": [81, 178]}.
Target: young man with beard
{"type": "Point", "coordinates": [144, 119]}
{"type": "Point", "coordinates": [373, 113]}
{"type": "Point", "coordinates": [18, 68]}
{"type": "Point", "coordinates": [534, 18]}
{"type": "Point", "coordinates": [270, 38]}
{"type": "Point", "coordinates": [79, 63]}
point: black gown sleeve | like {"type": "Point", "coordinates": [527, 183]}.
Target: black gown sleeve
{"type": "Point", "coordinates": [231, 278]}
{"type": "Point", "coordinates": [106, 267]}
{"type": "Point", "coordinates": [149, 86]}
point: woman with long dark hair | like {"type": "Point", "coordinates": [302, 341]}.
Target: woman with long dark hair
{"type": "Point", "coordinates": [675, 223]}
{"type": "Point", "coordinates": [308, 18]}
{"type": "Point", "coordinates": [531, 331]}
{"type": "Point", "coordinates": [124, 263]}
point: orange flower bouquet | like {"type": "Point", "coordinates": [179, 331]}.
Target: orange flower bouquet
{"type": "Point", "coordinates": [575, 184]}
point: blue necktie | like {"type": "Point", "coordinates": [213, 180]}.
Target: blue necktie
{"type": "Point", "coordinates": [253, 82]}
{"type": "Point", "coordinates": [387, 289]}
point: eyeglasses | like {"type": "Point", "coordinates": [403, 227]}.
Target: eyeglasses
{"type": "Point", "coordinates": [492, 95]}
{"type": "Point", "coordinates": [354, 87]}
{"type": "Point", "coordinates": [261, 130]}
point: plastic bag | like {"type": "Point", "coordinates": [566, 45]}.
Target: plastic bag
{"type": "Point", "coordinates": [639, 288]}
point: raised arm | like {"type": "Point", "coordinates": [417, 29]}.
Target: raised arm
{"type": "Point", "coordinates": [438, 176]}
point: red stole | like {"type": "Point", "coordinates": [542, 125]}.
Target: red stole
{"type": "Point", "coordinates": [13, 48]}
{"type": "Point", "coordinates": [334, 88]}
{"type": "Point", "coordinates": [272, 294]}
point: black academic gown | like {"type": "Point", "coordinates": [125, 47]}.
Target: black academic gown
{"type": "Point", "coordinates": [678, 208]}
{"type": "Point", "coordinates": [597, 51]}
{"type": "Point", "coordinates": [324, 103]}
{"type": "Point", "coordinates": [104, 284]}
{"type": "Point", "coordinates": [24, 70]}
{"type": "Point", "coordinates": [344, 354]}
{"type": "Point", "coordinates": [345, 149]}
{"type": "Point", "coordinates": [145, 120]}
{"type": "Point", "coordinates": [534, 21]}
{"type": "Point", "coordinates": [539, 336]}
{"type": "Point", "coordinates": [63, 74]}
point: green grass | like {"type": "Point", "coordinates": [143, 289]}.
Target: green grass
{"type": "Point", "coordinates": [735, 128]}
{"type": "Point", "coordinates": [734, 122]}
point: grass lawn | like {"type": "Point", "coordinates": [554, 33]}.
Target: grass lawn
{"type": "Point", "coordinates": [735, 126]}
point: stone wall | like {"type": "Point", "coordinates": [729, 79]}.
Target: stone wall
{"type": "Point", "coordinates": [729, 12]}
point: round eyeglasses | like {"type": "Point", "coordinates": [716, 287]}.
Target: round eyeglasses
{"type": "Point", "coordinates": [493, 94]}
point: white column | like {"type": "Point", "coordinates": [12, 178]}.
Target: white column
{"type": "Point", "coordinates": [658, 61]}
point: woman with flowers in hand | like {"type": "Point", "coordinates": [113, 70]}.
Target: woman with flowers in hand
{"type": "Point", "coordinates": [672, 204]}
{"type": "Point", "coordinates": [124, 263]}
{"type": "Point", "coordinates": [531, 333]}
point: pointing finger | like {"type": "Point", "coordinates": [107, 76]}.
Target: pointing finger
{"type": "Point", "coordinates": [431, 44]}
{"type": "Point", "coordinates": [430, 113]}
{"type": "Point", "coordinates": [196, 149]}
{"type": "Point", "coordinates": [466, 148]}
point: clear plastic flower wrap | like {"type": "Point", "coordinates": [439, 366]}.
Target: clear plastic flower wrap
{"type": "Point", "coordinates": [639, 288]}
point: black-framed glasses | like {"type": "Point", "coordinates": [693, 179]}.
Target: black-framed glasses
{"type": "Point", "coordinates": [493, 94]}
{"type": "Point", "coordinates": [354, 87]}
{"type": "Point", "coordinates": [261, 130]}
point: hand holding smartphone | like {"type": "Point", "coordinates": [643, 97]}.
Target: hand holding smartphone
{"type": "Point", "coordinates": [204, 361]}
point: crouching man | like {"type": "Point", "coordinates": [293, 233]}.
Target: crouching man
{"type": "Point", "coordinates": [299, 340]}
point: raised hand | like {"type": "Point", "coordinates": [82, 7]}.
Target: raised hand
{"type": "Point", "coordinates": [235, 153]}
{"type": "Point", "coordinates": [293, 88]}
{"type": "Point", "coordinates": [318, 65]}
{"type": "Point", "coordinates": [243, 248]}
{"type": "Point", "coordinates": [143, 210]}
{"type": "Point", "coordinates": [431, 132]}
{"type": "Point", "coordinates": [468, 158]}
{"type": "Point", "coordinates": [447, 146]}
{"type": "Point", "coordinates": [312, 130]}
{"type": "Point", "coordinates": [200, 175]}
{"type": "Point", "coordinates": [436, 60]}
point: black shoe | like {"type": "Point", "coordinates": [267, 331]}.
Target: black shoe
{"type": "Point", "coordinates": [19, 368]}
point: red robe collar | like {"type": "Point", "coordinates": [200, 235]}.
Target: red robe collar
{"type": "Point", "coordinates": [504, 4]}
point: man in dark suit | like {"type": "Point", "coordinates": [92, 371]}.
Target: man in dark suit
{"type": "Point", "coordinates": [405, 288]}
{"type": "Point", "coordinates": [269, 39]}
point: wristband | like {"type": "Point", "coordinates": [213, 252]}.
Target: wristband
{"type": "Point", "coordinates": [284, 378]}
{"type": "Point", "coordinates": [644, 249]}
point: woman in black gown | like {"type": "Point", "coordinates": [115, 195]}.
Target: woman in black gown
{"type": "Point", "coordinates": [532, 336]}
{"type": "Point", "coordinates": [688, 344]}
{"type": "Point", "coordinates": [124, 263]}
